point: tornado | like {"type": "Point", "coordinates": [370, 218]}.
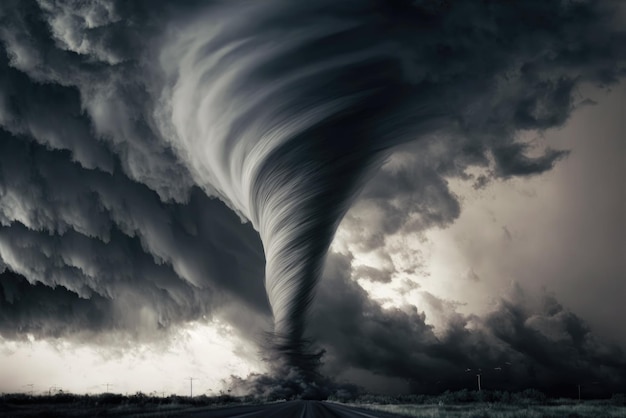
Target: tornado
{"type": "Point", "coordinates": [119, 120]}
{"type": "Point", "coordinates": [283, 110]}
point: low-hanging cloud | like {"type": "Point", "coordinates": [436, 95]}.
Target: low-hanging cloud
{"type": "Point", "coordinates": [524, 341]}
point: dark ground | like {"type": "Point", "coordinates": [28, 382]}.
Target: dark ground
{"type": "Point", "coordinates": [296, 409]}
{"type": "Point", "coordinates": [461, 404]}
{"type": "Point", "coordinates": [299, 409]}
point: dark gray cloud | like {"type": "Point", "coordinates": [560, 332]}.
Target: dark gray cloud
{"type": "Point", "coordinates": [120, 121]}
{"type": "Point", "coordinates": [409, 193]}
{"type": "Point", "coordinates": [524, 341]}
{"type": "Point", "coordinates": [373, 274]}
{"type": "Point", "coordinates": [49, 312]}
{"type": "Point", "coordinates": [99, 235]}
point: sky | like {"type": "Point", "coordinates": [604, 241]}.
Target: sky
{"type": "Point", "coordinates": [395, 194]}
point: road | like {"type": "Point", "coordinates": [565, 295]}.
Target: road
{"type": "Point", "coordinates": [295, 409]}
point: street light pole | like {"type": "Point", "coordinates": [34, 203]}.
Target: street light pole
{"type": "Point", "coordinates": [191, 379]}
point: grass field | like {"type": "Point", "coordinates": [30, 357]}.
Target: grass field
{"type": "Point", "coordinates": [462, 403]}
{"type": "Point", "coordinates": [486, 410]}
{"type": "Point", "coordinates": [110, 405]}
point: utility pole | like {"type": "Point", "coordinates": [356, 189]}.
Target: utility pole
{"type": "Point", "coordinates": [478, 375]}
{"type": "Point", "coordinates": [579, 392]}
{"type": "Point", "coordinates": [107, 385]}
{"type": "Point", "coordinates": [191, 379]}
{"type": "Point", "coordinates": [30, 385]}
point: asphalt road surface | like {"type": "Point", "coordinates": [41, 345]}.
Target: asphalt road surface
{"type": "Point", "coordinates": [295, 409]}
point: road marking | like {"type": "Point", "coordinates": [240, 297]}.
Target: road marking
{"type": "Point", "coordinates": [303, 413]}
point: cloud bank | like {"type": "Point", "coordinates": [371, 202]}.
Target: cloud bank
{"type": "Point", "coordinates": [524, 341]}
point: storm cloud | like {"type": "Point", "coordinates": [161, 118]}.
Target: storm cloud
{"type": "Point", "coordinates": [524, 341]}
{"type": "Point", "coordinates": [192, 156]}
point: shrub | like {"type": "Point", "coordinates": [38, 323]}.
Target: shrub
{"type": "Point", "coordinates": [109, 399]}
{"type": "Point", "coordinates": [618, 399]}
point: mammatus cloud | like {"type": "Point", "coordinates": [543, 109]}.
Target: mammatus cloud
{"type": "Point", "coordinates": [118, 121]}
